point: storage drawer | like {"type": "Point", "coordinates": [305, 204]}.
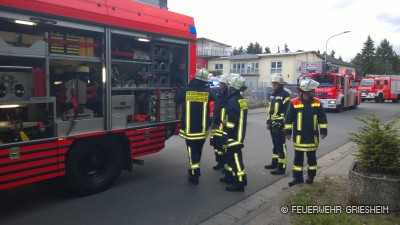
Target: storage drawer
{"type": "Point", "coordinates": [167, 95]}
{"type": "Point", "coordinates": [167, 103]}
{"type": "Point", "coordinates": [169, 110]}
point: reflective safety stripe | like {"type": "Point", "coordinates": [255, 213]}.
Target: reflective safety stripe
{"type": "Point", "coordinates": [283, 160]}
{"type": "Point", "coordinates": [221, 126]}
{"type": "Point", "coordinates": [297, 106]}
{"type": "Point", "coordinates": [312, 167]}
{"type": "Point", "coordinates": [276, 108]}
{"type": "Point", "coordinates": [275, 156]}
{"type": "Point", "coordinates": [190, 158]}
{"type": "Point", "coordinates": [310, 145]}
{"type": "Point", "coordinates": [230, 125]}
{"type": "Point", "coordinates": [195, 166]}
{"type": "Point", "coordinates": [316, 104]}
{"type": "Point", "coordinates": [288, 126]}
{"type": "Point", "coordinates": [316, 140]}
{"type": "Point", "coordinates": [297, 168]}
{"type": "Point", "coordinates": [305, 149]}
{"type": "Point", "coordinates": [240, 172]}
{"type": "Point", "coordinates": [298, 139]}
{"type": "Point", "coordinates": [299, 120]}
{"type": "Point", "coordinates": [187, 117]}
{"type": "Point", "coordinates": [205, 106]}
{"type": "Point", "coordinates": [323, 125]}
{"type": "Point", "coordinates": [285, 100]}
{"type": "Point", "coordinates": [229, 169]}
{"type": "Point", "coordinates": [315, 121]}
{"type": "Point", "coordinates": [219, 152]}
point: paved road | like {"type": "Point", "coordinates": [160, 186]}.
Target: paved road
{"type": "Point", "coordinates": [158, 192]}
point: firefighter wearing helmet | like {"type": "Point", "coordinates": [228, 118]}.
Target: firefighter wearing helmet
{"type": "Point", "coordinates": [277, 107]}
{"type": "Point", "coordinates": [234, 134]}
{"type": "Point", "coordinates": [219, 115]}
{"type": "Point", "coordinates": [195, 119]}
{"type": "Point", "coordinates": [305, 115]}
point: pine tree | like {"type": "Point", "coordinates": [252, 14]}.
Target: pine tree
{"type": "Point", "coordinates": [368, 57]}
{"type": "Point", "coordinates": [267, 50]}
{"type": "Point", "coordinates": [241, 50]}
{"type": "Point", "coordinates": [257, 48]}
{"type": "Point", "coordinates": [385, 57]}
{"type": "Point", "coordinates": [235, 51]}
{"type": "Point", "coordinates": [250, 48]}
{"type": "Point", "coordinates": [286, 48]}
{"type": "Point", "coordinates": [333, 53]}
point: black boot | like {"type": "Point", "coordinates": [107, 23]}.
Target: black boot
{"type": "Point", "coordinates": [270, 166]}
{"type": "Point", "coordinates": [194, 180]}
{"type": "Point", "coordinates": [218, 166]}
{"type": "Point", "coordinates": [296, 181]}
{"type": "Point", "coordinates": [310, 179]}
{"type": "Point", "coordinates": [278, 171]}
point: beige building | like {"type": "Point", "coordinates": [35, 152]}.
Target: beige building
{"type": "Point", "coordinates": [258, 68]}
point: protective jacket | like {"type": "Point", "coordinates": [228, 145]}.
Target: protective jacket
{"type": "Point", "coordinates": [302, 121]}
{"type": "Point", "coordinates": [277, 107]}
{"type": "Point", "coordinates": [235, 128]}
{"type": "Point", "coordinates": [219, 112]}
{"type": "Point", "coordinates": [195, 110]}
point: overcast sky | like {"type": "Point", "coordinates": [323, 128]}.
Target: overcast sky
{"type": "Point", "coordinates": [302, 25]}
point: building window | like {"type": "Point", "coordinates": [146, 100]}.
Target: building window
{"type": "Point", "coordinates": [197, 66]}
{"type": "Point", "coordinates": [276, 67]}
{"type": "Point", "coordinates": [218, 66]}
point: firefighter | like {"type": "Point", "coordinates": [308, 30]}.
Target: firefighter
{"type": "Point", "coordinates": [277, 108]}
{"type": "Point", "coordinates": [234, 134]}
{"type": "Point", "coordinates": [218, 117]}
{"type": "Point", "coordinates": [195, 119]}
{"type": "Point", "coordinates": [303, 117]}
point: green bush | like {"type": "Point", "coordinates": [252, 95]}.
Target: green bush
{"type": "Point", "coordinates": [378, 145]}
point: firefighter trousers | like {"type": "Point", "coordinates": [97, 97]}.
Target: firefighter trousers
{"type": "Point", "coordinates": [219, 151]}
{"type": "Point", "coordinates": [194, 148]}
{"type": "Point", "coordinates": [234, 167]}
{"type": "Point", "coordinates": [279, 151]}
{"type": "Point", "coordinates": [298, 164]}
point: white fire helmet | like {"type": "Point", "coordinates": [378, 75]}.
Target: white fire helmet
{"type": "Point", "coordinates": [308, 85]}
{"type": "Point", "coordinates": [202, 74]}
{"type": "Point", "coordinates": [277, 78]}
{"type": "Point", "coordinates": [237, 82]}
{"type": "Point", "coordinates": [225, 79]}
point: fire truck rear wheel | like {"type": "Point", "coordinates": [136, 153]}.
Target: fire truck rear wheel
{"type": "Point", "coordinates": [93, 165]}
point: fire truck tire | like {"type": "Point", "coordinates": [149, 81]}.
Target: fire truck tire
{"type": "Point", "coordinates": [379, 99]}
{"type": "Point", "coordinates": [93, 165]}
{"type": "Point", "coordinates": [340, 107]}
{"type": "Point", "coordinates": [397, 99]}
{"type": "Point", "coordinates": [363, 100]}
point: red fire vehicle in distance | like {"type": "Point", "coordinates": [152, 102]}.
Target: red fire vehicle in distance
{"type": "Point", "coordinates": [336, 91]}
{"type": "Point", "coordinates": [367, 88]}
{"type": "Point", "coordinates": [380, 88]}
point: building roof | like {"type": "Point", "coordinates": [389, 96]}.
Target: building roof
{"type": "Point", "coordinates": [206, 39]}
{"type": "Point", "coordinates": [286, 53]}
{"type": "Point", "coordinates": [244, 56]}
{"type": "Point", "coordinates": [335, 61]}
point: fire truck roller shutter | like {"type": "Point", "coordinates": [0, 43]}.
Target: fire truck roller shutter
{"type": "Point", "coordinates": [93, 164]}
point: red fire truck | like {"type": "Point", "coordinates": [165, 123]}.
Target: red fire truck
{"type": "Point", "coordinates": [336, 91]}
{"type": "Point", "coordinates": [380, 88]}
{"type": "Point", "coordinates": [87, 87]}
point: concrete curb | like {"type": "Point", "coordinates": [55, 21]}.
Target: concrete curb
{"type": "Point", "coordinates": [263, 207]}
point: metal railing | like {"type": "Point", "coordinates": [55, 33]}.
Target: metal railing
{"type": "Point", "coordinates": [245, 71]}
{"type": "Point", "coordinates": [212, 52]}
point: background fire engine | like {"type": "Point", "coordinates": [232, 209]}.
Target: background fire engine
{"type": "Point", "coordinates": [380, 88]}
{"type": "Point", "coordinates": [87, 87]}
{"type": "Point", "coordinates": [336, 91]}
